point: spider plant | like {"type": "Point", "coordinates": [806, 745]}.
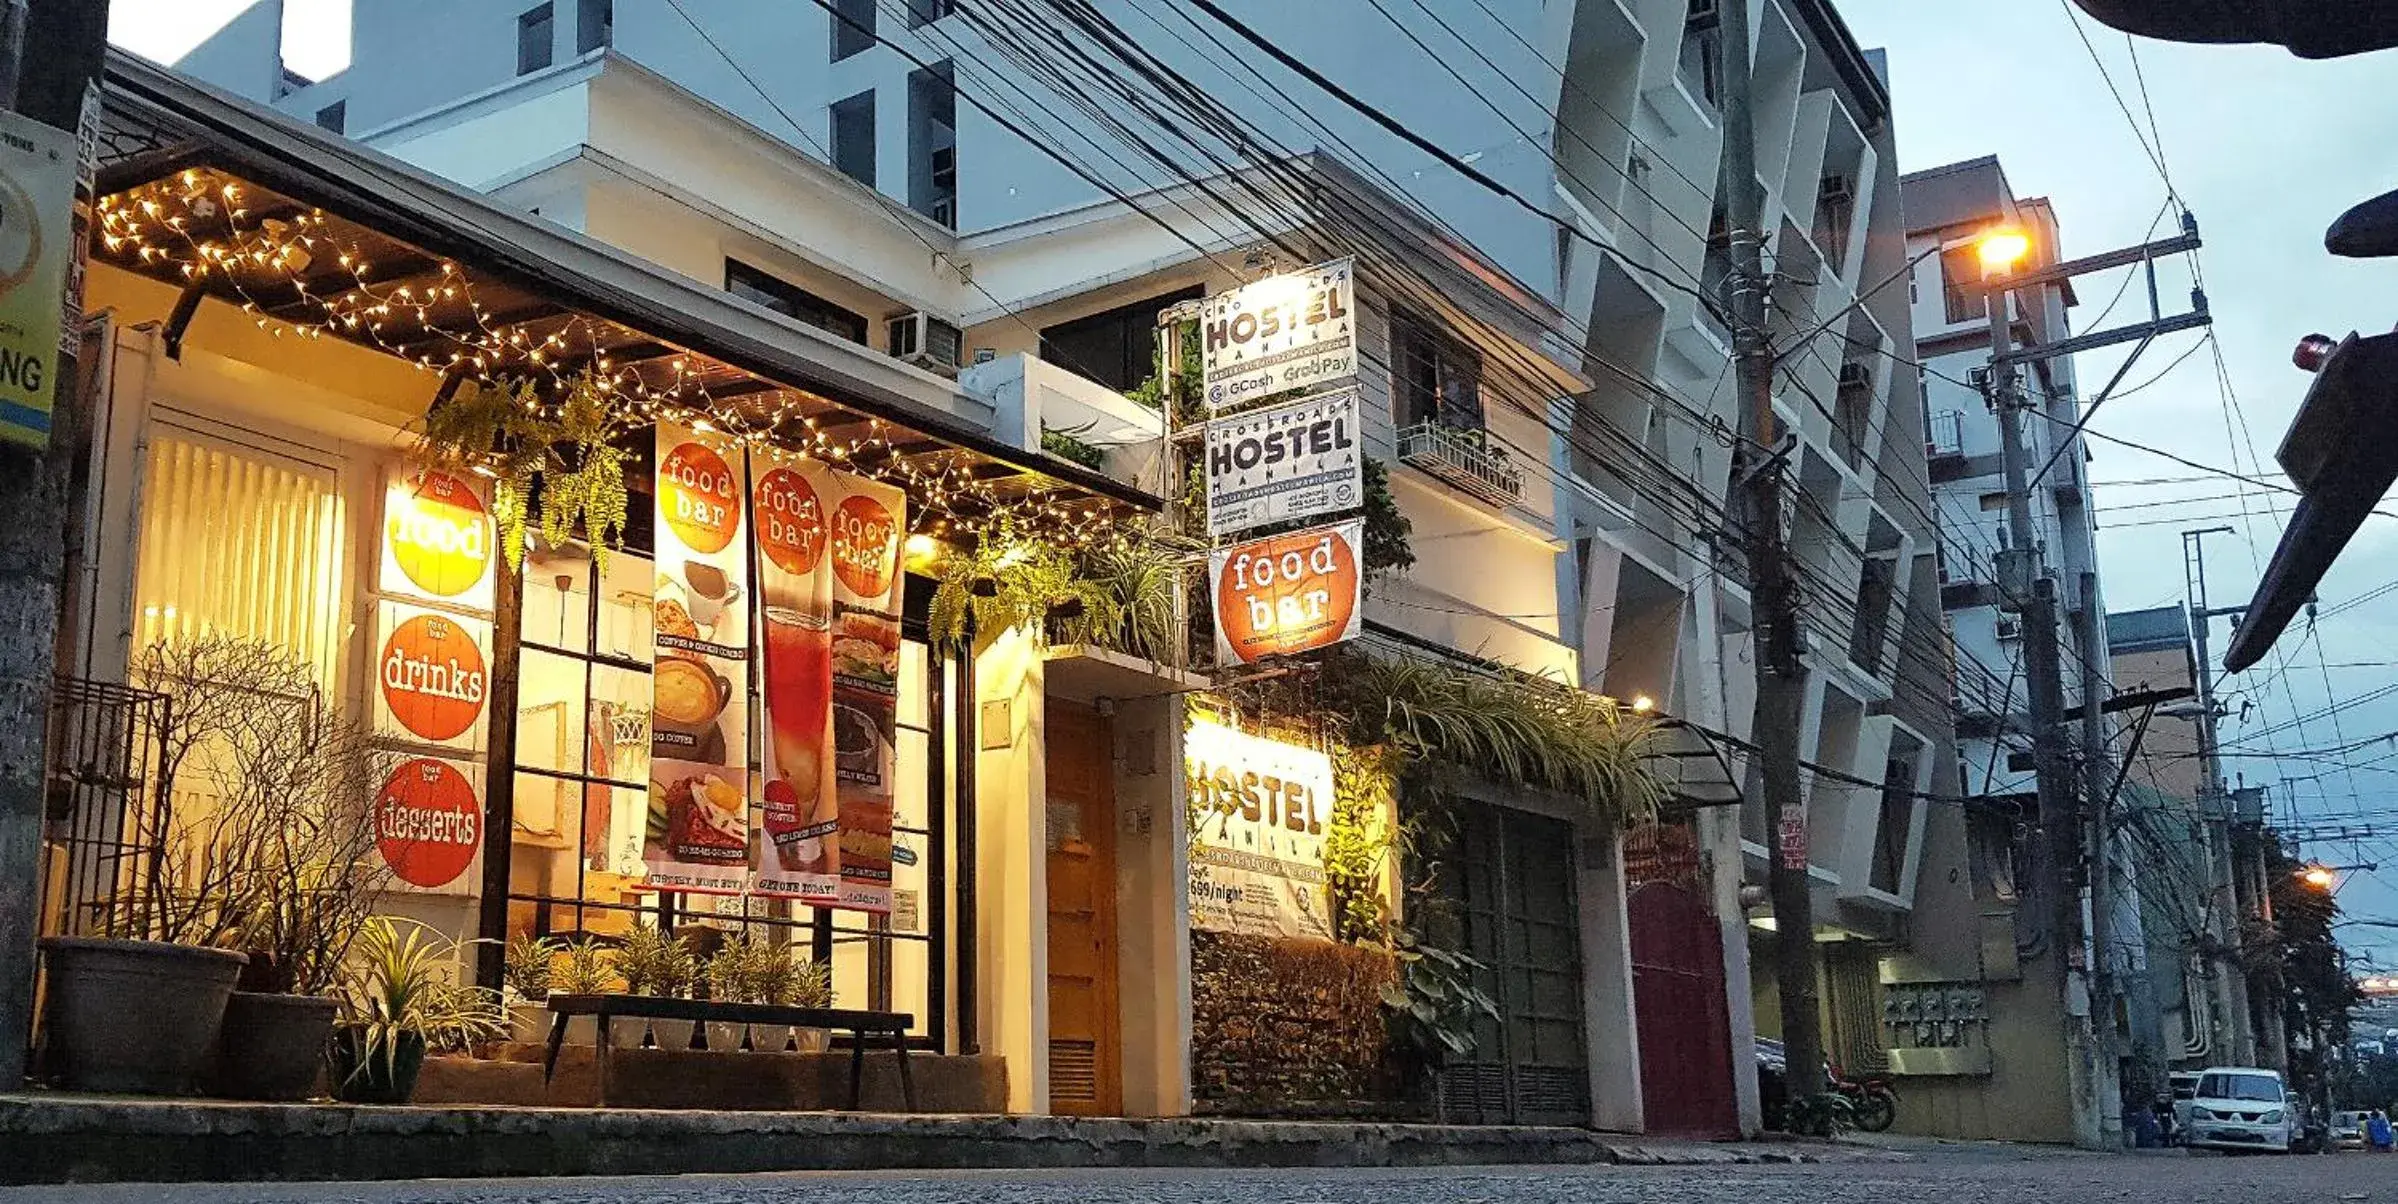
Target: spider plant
{"type": "Point", "coordinates": [586, 970]}
{"type": "Point", "coordinates": [400, 1000]}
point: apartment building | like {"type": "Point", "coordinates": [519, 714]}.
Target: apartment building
{"type": "Point", "coordinates": [1545, 370]}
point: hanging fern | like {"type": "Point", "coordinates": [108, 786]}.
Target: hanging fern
{"type": "Point", "coordinates": [564, 454]}
{"type": "Point", "coordinates": [1124, 598]}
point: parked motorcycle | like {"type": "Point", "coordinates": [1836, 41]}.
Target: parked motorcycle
{"type": "Point", "coordinates": [1872, 1101]}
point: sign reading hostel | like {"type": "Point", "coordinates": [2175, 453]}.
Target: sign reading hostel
{"type": "Point", "coordinates": [1286, 462]}
{"type": "Point", "coordinates": [38, 167]}
{"type": "Point", "coordinates": [1258, 813]}
{"type": "Point", "coordinates": [1297, 330]}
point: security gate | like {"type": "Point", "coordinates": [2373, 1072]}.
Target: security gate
{"type": "Point", "coordinates": [1678, 987]}
{"type": "Point", "coordinates": [1510, 883]}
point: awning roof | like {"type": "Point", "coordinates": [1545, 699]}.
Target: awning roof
{"type": "Point", "coordinates": [530, 277]}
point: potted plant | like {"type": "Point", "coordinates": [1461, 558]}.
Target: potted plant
{"type": "Point", "coordinates": [525, 970]}
{"type": "Point", "coordinates": [790, 980]}
{"type": "Point", "coordinates": [398, 1004]}
{"type": "Point", "coordinates": [737, 973]}
{"type": "Point", "coordinates": [654, 963]}
{"type": "Point", "coordinates": [587, 969]}
{"type": "Point", "coordinates": [141, 1007]}
{"type": "Point", "coordinates": [304, 894]}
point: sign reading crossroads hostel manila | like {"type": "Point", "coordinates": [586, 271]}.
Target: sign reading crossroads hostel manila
{"type": "Point", "coordinates": [1291, 593]}
{"type": "Point", "coordinates": [37, 245]}
{"type": "Point", "coordinates": [1296, 330]}
{"type": "Point", "coordinates": [1283, 463]}
{"type": "Point", "coordinates": [1258, 808]}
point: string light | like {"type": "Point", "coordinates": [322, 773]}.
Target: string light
{"type": "Point", "coordinates": [198, 226]}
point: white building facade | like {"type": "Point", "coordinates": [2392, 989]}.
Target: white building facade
{"type": "Point", "coordinates": [1541, 368]}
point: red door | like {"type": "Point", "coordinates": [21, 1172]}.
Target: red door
{"type": "Point", "coordinates": [1678, 988]}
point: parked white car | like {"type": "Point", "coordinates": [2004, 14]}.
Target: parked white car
{"type": "Point", "coordinates": [2348, 1130]}
{"type": "Point", "coordinates": [2241, 1108]}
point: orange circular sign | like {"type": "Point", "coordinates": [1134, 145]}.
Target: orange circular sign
{"type": "Point", "coordinates": [433, 677]}
{"type": "Point", "coordinates": [790, 521]}
{"type": "Point", "coordinates": [697, 494]}
{"type": "Point", "coordinates": [439, 533]}
{"type": "Point", "coordinates": [865, 545]}
{"type": "Point", "coordinates": [427, 822]}
{"type": "Point", "coordinates": [1294, 593]}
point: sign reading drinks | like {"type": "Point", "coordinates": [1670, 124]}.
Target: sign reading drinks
{"type": "Point", "coordinates": [428, 823]}
{"type": "Point", "coordinates": [1258, 813]}
{"type": "Point", "coordinates": [1291, 593]}
{"type": "Point", "coordinates": [432, 675]}
{"type": "Point", "coordinates": [38, 168]}
{"type": "Point", "coordinates": [697, 835]}
{"type": "Point", "coordinates": [1287, 462]}
{"type": "Point", "coordinates": [1297, 330]}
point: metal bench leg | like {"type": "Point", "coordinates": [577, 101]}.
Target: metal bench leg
{"type": "Point", "coordinates": [602, 1055]}
{"type": "Point", "coordinates": [857, 1068]}
{"type": "Point", "coordinates": [907, 1077]}
{"type": "Point", "coordinates": [549, 1065]}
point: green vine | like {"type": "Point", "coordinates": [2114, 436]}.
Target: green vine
{"type": "Point", "coordinates": [1358, 842]}
{"type": "Point", "coordinates": [1067, 443]}
{"type": "Point", "coordinates": [562, 456]}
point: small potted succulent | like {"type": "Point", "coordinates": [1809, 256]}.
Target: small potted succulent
{"type": "Point", "coordinates": [399, 1004]}
{"type": "Point", "coordinates": [526, 971]}
{"type": "Point", "coordinates": [653, 962]}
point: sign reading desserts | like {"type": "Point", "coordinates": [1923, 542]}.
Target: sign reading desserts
{"type": "Point", "coordinates": [432, 676]}
{"type": "Point", "coordinates": [697, 836]}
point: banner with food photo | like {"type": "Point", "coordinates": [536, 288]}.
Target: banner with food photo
{"type": "Point", "coordinates": [697, 836]}
{"type": "Point", "coordinates": [795, 811]}
{"type": "Point", "coordinates": [869, 520]}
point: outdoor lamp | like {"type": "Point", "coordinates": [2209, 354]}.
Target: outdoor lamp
{"type": "Point", "coordinates": [2001, 249]}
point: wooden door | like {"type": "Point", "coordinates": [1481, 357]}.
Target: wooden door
{"type": "Point", "coordinates": [1511, 879]}
{"type": "Point", "coordinates": [1679, 1009]}
{"type": "Point", "coordinates": [1084, 1075]}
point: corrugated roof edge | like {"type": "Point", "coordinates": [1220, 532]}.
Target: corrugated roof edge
{"type": "Point", "coordinates": [375, 189]}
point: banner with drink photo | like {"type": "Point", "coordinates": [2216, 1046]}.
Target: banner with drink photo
{"type": "Point", "coordinates": [868, 522]}
{"type": "Point", "coordinates": [697, 836]}
{"type": "Point", "coordinates": [795, 812]}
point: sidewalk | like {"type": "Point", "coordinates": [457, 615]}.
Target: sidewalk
{"type": "Point", "coordinates": [61, 1139]}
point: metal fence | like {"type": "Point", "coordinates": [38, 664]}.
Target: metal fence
{"type": "Point", "coordinates": [104, 835]}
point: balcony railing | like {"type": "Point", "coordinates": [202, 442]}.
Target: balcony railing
{"type": "Point", "coordinates": [1946, 434]}
{"type": "Point", "coordinates": [1463, 458]}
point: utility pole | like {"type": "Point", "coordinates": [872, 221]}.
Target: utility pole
{"type": "Point", "coordinates": [1773, 605]}
{"type": "Point", "coordinates": [51, 53]}
{"type": "Point", "coordinates": [2230, 982]}
{"type": "Point", "coordinates": [2027, 587]}
{"type": "Point", "coordinates": [2098, 778]}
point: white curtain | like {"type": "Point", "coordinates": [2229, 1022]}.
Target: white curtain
{"type": "Point", "coordinates": [243, 542]}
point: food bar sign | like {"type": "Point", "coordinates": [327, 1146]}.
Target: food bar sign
{"type": "Point", "coordinates": [1297, 330]}
{"type": "Point", "coordinates": [1288, 462]}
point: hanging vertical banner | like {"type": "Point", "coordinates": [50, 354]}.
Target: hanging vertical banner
{"type": "Point", "coordinates": [868, 520]}
{"type": "Point", "coordinates": [796, 811]}
{"type": "Point", "coordinates": [1296, 330]}
{"type": "Point", "coordinates": [1291, 593]}
{"type": "Point", "coordinates": [38, 167]}
{"type": "Point", "coordinates": [697, 838]}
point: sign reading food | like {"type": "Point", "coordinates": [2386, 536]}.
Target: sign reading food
{"type": "Point", "coordinates": [430, 677]}
{"type": "Point", "coordinates": [1291, 593]}
{"type": "Point", "coordinates": [1284, 463]}
{"type": "Point", "coordinates": [795, 812]}
{"type": "Point", "coordinates": [697, 834]}
{"type": "Point", "coordinates": [428, 823]}
{"type": "Point", "coordinates": [1297, 330]}
{"type": "Point", "coordinates": [1258, 812]}
{"type": "Point", "coordinates": [437, 538]}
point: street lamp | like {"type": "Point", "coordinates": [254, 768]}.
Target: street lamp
{"type": "Point", "coordinates": [2320, 877]}
{"type": "Point", "coordinates": [2000, 249]}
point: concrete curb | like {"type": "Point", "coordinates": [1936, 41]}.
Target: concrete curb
{"type": "Point", "coordinates": [93, 1140]}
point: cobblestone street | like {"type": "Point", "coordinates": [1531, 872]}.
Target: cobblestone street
{"type": "Point", "coordinates": [1930, 1175]}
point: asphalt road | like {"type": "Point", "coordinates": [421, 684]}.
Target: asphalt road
{"type": "Point", "coordinates": [1930, 1175]}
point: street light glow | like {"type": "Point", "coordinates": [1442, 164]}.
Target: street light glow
{"type": "Point", "coordinates": [2001, 250]}
{"type": "Point", "coordinates": [2318, 876]}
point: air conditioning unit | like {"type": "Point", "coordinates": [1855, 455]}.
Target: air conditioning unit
{"type": "Point", "coordinates": [1834, 190]}
{"type": "Point", "coordinates": [2010, 627]}
{"type": "Point", "coordinates": [926, 341]}
{"type": "Point", "coordinates": [1855, 375]}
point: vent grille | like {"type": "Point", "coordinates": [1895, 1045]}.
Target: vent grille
{"type": "Point", "coordinates": [1552, 1089]}
{"type": "Point", "coordinates": [1074, 1072]}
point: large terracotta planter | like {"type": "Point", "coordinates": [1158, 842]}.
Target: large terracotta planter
{"type": "Point", "coordinates": [274, 1046]}
{"type": "Point", "coordinates": [141, 1017]}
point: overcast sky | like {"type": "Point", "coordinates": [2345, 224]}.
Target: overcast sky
{"type": "Point", "coordinates": [2266, 149]}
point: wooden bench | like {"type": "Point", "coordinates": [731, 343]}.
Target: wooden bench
{"type": "Point", "coordinates": [892, 1026]}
